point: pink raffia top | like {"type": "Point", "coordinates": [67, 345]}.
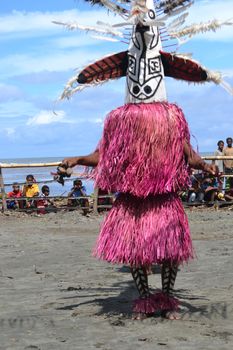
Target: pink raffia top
{"type": "Point", "coordinates": [142, 150]}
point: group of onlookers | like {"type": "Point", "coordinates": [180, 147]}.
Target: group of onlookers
{"type": "Point", "coordinates": [206, 188]}
{"type": "Point", "coordinates": [29, 190]}
{"type": "Point", "coordinates": [30, 197]}
{"type": "Point", "coordinates": [225, 166]}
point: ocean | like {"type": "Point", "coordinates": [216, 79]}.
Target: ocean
{"type": "Point", "coordinates": [40, 174]}
{"type": "Point", "coordinates": [44, 174]}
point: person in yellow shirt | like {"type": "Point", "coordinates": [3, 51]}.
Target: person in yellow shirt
{"type": "Point", "coordinates": [30, 189]}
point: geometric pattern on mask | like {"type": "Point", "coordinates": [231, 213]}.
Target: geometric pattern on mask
{"type": "Point", "coordinates": [144, 73]}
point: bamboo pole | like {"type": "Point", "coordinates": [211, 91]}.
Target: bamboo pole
{"type": "Point", "coordinates": [4, 204]}
{"type": "Point", "coordinates": [95, 200]}
{"type": "Point", "coordinates": [217, 157]}
{"type": "Point", "coordinates": [55, 164]}
{"type": "Point", "coordinates": [76, 176]}
{"type": "Point", "coordinates": [32, 165]}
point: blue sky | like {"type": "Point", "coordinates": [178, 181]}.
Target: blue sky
{"type": "Point", "coordinates": [38, 57]}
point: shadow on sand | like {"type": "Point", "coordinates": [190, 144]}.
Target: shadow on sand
{"type": "Point", "coordinates": [120, 303]}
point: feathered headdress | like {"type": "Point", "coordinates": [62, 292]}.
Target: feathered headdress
{"type": "Point", "coordinates": [151, 25]}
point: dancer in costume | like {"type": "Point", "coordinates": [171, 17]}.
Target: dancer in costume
{"type": "Point", "coordinates": [145, 155]}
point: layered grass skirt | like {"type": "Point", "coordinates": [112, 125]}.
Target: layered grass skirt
{"type": "Point", "coordinates": [142, 157]}
{"type": "Point", "coordinates": [144, 231]}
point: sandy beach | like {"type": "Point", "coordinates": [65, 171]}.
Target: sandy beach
{"type": "Point", "coordinates": [55, 295]}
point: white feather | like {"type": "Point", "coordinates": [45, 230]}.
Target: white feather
{"type": "Point", "coordinates": [97, 29]}
{"type": "Point", "coordinates": [106, 38]}
{"type": "Point", "coordinates": [69, 91]}
{"type": "Point", "coordinates": [177, 22]}
{"type": "Point", "coordinates": [216, 77]}
{"type": "Point", "coordinates": [194, 29]}
{"type": "Point", "coordinates": [115, 8]}
{"type": "Point", "coordinates": [175, 12]}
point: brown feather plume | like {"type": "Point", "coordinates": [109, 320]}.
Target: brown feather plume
{"type": "Point", "coordinates": [182, 68]}
{"type": "Point", "coordinates": [110, 67]}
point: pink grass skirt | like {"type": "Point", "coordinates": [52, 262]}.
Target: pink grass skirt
{"type": "Point", "coordinates": [142, 150]}
{"type": "Point", "coordinates": [142, 231]}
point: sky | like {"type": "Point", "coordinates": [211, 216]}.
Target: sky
{"type": "Point", "coordinates": [38, 58]}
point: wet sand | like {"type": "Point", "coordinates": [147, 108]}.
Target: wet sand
{"type": "Point", "coordinates": [55, 295]}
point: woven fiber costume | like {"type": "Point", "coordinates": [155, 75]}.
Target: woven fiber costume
{"type": "Point", "coordinates": [145, 151]}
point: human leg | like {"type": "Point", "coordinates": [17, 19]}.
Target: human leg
{"type": "Point", "coordinates": [141, 280]}
{"type": "Point", "coordinates": [140, 232]}
{"type": "Point", "coordinates": [168, 277]}
{"type": "Point", "coordinates": [143, 307]}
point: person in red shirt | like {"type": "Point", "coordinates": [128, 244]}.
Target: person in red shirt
{"type": "Point", "coordinates": [15, 193]}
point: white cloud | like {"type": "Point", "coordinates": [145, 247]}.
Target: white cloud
{"type": "Point", "coordinates": [33, 24]}
{"type": "Point", "coordinates": [227, 73]}
{"type": "Point", "coordinates": [19, 64]}
{"type": "Point", "coordinates": [9, 131]}
{"type": "Point", "coordinates": [71, 49]}
{"type": "Point", "coordinates": [13, 109]}
{"type": "Point", "coordinates": [58, 50]}
{"type": "Point", "coordinates": [79, 40]}
{"type": "Point", "coordinates": [98, 121]}
{"type": "Point", "coordinates": [41, 22]}
{"type": "Point", "coordinates": [47, 117]}
{"type": "Point", "coordinates": [9, 92]}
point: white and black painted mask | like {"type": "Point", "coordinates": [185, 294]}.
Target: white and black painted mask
{"type": "Point", "coordinates": [145, 75]}
{"type": "Point", "coordinates": [144, 63]}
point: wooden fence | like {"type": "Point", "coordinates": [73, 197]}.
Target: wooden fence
{"type": "Point", "coordinates": [55, 164]}
{"type": "Point", "coordinates": [95, 198]}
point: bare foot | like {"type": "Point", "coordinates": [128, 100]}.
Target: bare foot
{"type": "Point", "coordinates": [149, 270]}
{"type": "Point", "coordinates": [171, 315]}
{"type": "Point", "coordinates": [140, 316]}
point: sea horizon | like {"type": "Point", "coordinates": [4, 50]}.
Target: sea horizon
{"type": "Point", "coordinates": [57, 158]}
{"type": "Point", "coordinates": [43, 174]}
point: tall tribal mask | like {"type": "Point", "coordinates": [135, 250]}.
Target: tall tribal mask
{"type": "Point", "coordinates": [145, 73]}
{"type": "Point", "coordinates": [145, 63]}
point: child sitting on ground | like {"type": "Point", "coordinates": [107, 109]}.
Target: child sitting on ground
{"type": "Point", "coordinates": [45, 204]}
{"type": "Point", "coordinates": [30, 190]}
{"type": "Point", "coordinates": [15, 193]}
{"type": "Point", "coordinates": [78, 190]}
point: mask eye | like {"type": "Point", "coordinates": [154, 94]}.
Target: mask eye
{"type": "Point", "coordinates": [136, 89]}
{"type": "Point", "coordinates": [147, 89]}
{"type": "Point", "coordinates": [151, 14]}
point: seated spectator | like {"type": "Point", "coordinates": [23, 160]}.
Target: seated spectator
{"type": "Point", "coordinates": [225, 197]}
{"type": "Point", "coordinates": [105, 200]}
{"type": "Point", "coordinates": [78, 190]}
{"type": "Point", "coordinates": [45, 203]}
{"type": "Point", "coordinates": [229, 186]}
{"type": "Point", "coordinates": [15, 193]}
{"type": "Point", "coordinates": [210, 189]}
{"type": "Point", "coordinates": [30, 190]}
{"type": "Point", "coordinates": [195, 193]}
